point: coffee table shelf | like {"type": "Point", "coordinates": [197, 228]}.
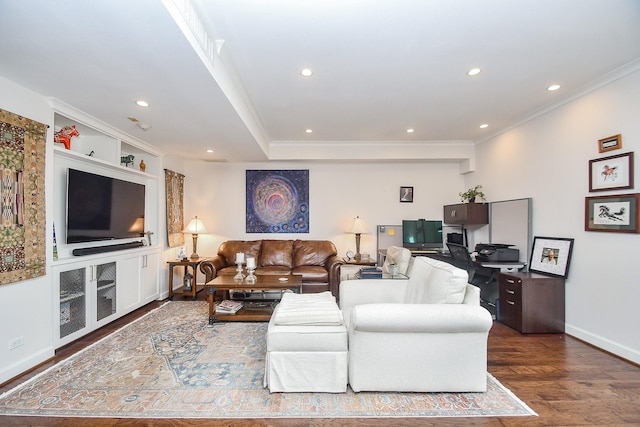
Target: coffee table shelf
{"type": "Point", "coordinates": [262, 283]}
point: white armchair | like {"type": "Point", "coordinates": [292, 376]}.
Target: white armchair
{"type": "Point", "coordinates": [427, 333]}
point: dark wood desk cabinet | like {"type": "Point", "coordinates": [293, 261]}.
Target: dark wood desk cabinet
{"type": "Point", "coordinates": [531, 303]}
{"type": "Point", "coordinates": [466, 214]}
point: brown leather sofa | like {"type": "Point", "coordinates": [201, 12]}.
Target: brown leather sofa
{"type": "Point", "coordinates": [316, 260]}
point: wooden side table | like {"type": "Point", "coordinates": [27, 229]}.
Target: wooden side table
{"type": "Point", "coordinates": [363, 261]}
{"type": "Point", "coordinates": [192, 263]}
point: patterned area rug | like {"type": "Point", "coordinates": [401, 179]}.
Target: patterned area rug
{"type": "Point", "coordinates": [171, 363]}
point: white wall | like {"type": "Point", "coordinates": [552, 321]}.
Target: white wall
{"type": "Point", "coordinates": [338, 193]}
{"type": "Point", "coordinates": [26, 306]}
{"type": "Point", "coordinates": [547, 159]}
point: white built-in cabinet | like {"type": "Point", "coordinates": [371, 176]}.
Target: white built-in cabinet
{"type": "Point", "coordinates": [149, 279]}
{"type": "Point", "coordinates": [93, 290]}
{"type": "Point", "coordinates": [140, 274]}
{"type": "Point", "coordinates": [88, 296]}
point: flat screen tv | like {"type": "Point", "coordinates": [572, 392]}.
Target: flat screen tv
{"type": "Point", "coordinates": [422, 234]}
{"type": "Point", "coordinates": [103, 208]}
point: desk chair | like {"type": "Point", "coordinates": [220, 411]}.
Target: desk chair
{"type": "Point", "coordinates": [482, 277]}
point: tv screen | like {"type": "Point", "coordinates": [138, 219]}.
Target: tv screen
{"type": "Point", "coordinates": [103, 208]}
{"type": "Point", "coordinates": [422, 234]}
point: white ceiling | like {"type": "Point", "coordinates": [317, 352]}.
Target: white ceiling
{"type": "Point", "coordinates": [380, 67]}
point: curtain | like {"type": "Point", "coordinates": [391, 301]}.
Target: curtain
{"type": "Point", "coordinates": [175, 208]}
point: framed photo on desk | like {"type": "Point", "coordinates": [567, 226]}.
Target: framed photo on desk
{"type": "Point", "coordinates": [551, 256]}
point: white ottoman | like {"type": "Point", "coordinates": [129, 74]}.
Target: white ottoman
{"type": "Point", "coordinates": [306, 345]}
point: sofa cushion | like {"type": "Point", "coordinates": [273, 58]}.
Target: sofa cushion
{"type": "Point", "coordinates": [312, 273]}
{"type": "Point", "coordinates": [312, 252]}
{"type": "Point", "coordinates": [274, 270]}
{"type": "Point", "coordinates": [435, 282]}
{"type": "Point", "coordinates": [308, 309]}
{"type": "Point", "coordinates": [227, 271]}
{"type": "Point", "coordinates": [230, 248]}
{"type": "Point", "coordinates": [276, 253]}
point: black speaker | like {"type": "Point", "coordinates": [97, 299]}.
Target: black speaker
{"type": "Point", "coordinates": [110, 248]}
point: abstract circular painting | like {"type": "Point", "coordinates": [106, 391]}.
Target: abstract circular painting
{"type": "Point", "coordinates": [278, 201]}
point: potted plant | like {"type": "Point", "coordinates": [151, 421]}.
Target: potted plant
{"type": "Point", "coordinates": [471, 194]}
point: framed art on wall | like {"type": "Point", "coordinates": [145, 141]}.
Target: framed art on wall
{"type": "Point", "coordinates": [551, 256]}
{"type": "Point", "coordinates": [406, 194]}
{"type": "Point", "coordinates": [23, 227]}
{"type": "Point", "coordinates": [610, 143]}
{"type": "Point", "coordinates": [611, 173]}
{"type": "Point", "coordinates": [617, 213]}
{"type": "Point", "coordinates": [277, 201]}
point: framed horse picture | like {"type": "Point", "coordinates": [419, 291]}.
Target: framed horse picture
{"type": "Point", "coordinates": [611, 173]}
{"type": "Point", "coordinates": [617, 213]}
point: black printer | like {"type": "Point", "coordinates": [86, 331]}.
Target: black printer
{"type": "Point", "coordinates": [496, 252]}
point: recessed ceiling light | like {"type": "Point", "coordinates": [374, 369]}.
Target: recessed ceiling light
{"type": "Point", "coordinates": [410, 130]}
{"type": "Point", "coordinates": [209, 151]}
{"type": "Point", "coordinates": [306, 72]}
{"type": "Point", "coordinates": [473, 72]}
{"type": "Point", "coordinates": [142, 103]}
{"type": "Point", "coordinates": [553, 87]}
{"type": "Point", "coordinates": [484, 126]}
{"type": "Point", "coordinates": [309, 130]}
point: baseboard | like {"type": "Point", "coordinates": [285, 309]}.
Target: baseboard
{"type": "Point", "coordinates": [604, 344]}
{"type": "Point", "coordinates": [17, 369]}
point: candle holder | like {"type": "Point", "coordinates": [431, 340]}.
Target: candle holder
{"type": "Point", "coordinates": [251, 278]}
{"type": "Point", "coordinates": [239, 275]}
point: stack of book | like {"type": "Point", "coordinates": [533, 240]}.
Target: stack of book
{"type": "Point", "coordinates": [370, 273]}
{"type": "Point", "coordinates": [228, 307]}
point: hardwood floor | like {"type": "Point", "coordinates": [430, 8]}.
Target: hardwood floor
{"type": "Point", "coordinates": [564, 380]}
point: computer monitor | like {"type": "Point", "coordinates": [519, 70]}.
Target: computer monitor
{"type": "Point", "coordinates": [422, 234]}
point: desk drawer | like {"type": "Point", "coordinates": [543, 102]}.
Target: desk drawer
{"type": "Point", "coordinates": [510, 301]}
{"type": "Point", "coordinates": [532, 303]}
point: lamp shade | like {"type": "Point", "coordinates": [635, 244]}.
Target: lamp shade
{"type": "Point", "coordinates": [195, 226]}
{"type": "Point", "coordinates": [358, 226]}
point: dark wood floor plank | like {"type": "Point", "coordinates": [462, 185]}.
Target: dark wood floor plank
{"type": "Point", "coordinates": [566, 381]}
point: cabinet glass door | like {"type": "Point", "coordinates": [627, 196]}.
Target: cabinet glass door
{"type": "Point", "coordinates": [105, 275]}
{"type": "Point", "coordinates": [73, 301]}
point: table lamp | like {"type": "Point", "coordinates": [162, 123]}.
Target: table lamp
{"type": "Point", "coordinates": [195, 227]}
{"type": "Point", "coordinates": [357, 228]}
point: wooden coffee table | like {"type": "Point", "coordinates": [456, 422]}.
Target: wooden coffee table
{"type": "Point", "coordinates": [262, 283]}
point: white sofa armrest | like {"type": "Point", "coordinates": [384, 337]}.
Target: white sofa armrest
{"type": "Point", "coordinates": [369, 291]}
{"type": "Point", "coordinates": [425, 318]}
{"type": "Point", "coordinates": [472, 295]}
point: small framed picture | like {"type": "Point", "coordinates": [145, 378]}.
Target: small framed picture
{"type": "Point", "coordinates": [611, 173]}
{"type": "Point", "coordinates": [617, 213]}
{"type": "Point", "coordinates": [551, 256]}
{"type": "Point", "coordinates": [406, 194]}
{"type": "Point", "coordinates": [610, 143]}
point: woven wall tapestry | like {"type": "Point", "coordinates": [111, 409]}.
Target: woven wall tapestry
{"type": "Point", "coordinates": [277, 201]}
{"type": "Point", "coordinates": [174, 183]}
{"type": "Point", "coordinates": [22, 224]}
